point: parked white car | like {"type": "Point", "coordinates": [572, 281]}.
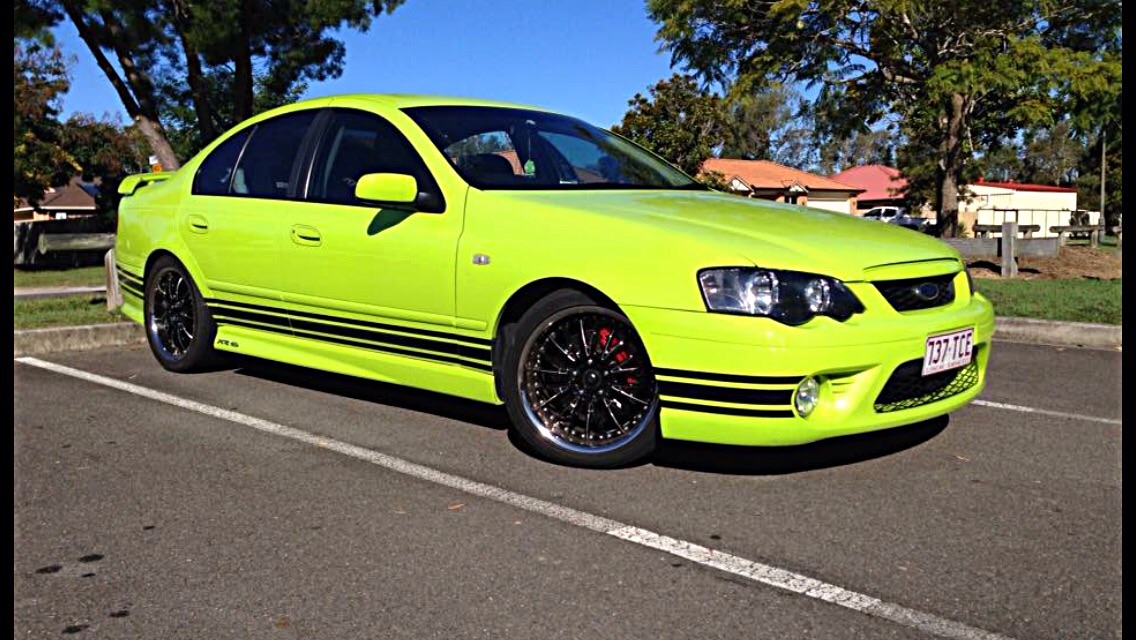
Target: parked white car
{"type": "Point", "coordinates": [884, 214]}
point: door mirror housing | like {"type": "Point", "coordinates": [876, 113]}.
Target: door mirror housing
{"type": "Point", "coordinates": [387, 188]}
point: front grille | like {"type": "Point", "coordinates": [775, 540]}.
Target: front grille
{"type": "Point", "coordinates": [907, 388]}
{"type": "Point", "coordinates": [904, 295]}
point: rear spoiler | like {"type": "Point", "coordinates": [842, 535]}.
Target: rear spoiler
{"type": "Point", "coordinates": [130, 184]}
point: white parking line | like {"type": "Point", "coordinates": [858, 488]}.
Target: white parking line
{"type": "Point", "coordinates": [1044, 412]}
{"type": "Point", "coordinates": [756, 571]}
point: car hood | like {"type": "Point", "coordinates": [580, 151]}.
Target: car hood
{"type": "Point", "coordinates": [767, 234]}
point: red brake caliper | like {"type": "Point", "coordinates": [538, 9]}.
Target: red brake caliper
{"type": "Point", "coordinates": [620, 355]}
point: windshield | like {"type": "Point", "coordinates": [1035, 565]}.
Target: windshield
{"type": "Point", "coordinates": [503, 148]}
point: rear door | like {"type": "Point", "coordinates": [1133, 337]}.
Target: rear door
{"type": "Point", "coordinates": [235, 225]}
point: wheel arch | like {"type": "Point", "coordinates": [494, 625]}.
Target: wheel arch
{"type": "Point", "coordinates": [524, 298]}
{"type": "Point", "coordinates": [186, 261]}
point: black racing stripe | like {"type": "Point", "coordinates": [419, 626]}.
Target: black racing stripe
{"type": "Point", "coordinates": [131, 290]}
{"type": "Point", "coordinates": [730, 411]}
{"type": "Point", "coordinates": [484, 366]}
{"type": "Point", "coordinates": [218, 312]}
{"type": "Point", "coordinates": [728, 377]}
{"type": "Point", "coordinates": [357, 333]}
{"type": "Point", "coordinates": [129, 280]}
{"type": "Point", "coordinates": [350, 332]}
{"type": "Point", "coordinates": [126, 274]}
{"type": "Point", "coordinates": [250, 325]}
{"type": "Point", "coordinates": [725, 394]}
{"type": "Point", "coordinates": [350, 343]}
{"type": "Point", "coordinates": [390, 338]}
{"type": "Point", "coordinates": [362, 323]}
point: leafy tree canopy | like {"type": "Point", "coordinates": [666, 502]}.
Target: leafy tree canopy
{"type": "Point", "coordinates": [210, 65]}
{"type": "Point", "coordinates": [677, 120]}
{"type": "Point", "coordinates": [958, 75]}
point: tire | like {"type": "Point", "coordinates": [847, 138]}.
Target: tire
{"type": "Point", "coordinates": [577, 383]}
{"type": "Point", "coordinates": [178, 325]}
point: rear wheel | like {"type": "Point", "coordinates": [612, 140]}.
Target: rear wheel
{"type": "Point", "coordinates": [179, 327]}
{"type": "Point", "coordinates": [578, 385]}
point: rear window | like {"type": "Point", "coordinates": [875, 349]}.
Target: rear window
{"type": "Point", "coordinates": [267, 167]}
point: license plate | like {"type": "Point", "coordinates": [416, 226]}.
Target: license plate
{"type": "Point", "coordinates": [948, 351]}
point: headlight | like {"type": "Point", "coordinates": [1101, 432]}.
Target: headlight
{"type": "Point", "coordinates": [789, 297]}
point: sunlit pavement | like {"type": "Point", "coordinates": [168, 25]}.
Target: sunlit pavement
{"type": "Point", "coordinates": [152, 517]}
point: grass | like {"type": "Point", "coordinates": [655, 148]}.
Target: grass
{"type": "Point", "coordinates": [1082, 300]}
{"type": "Point", "coordinates": [37, 313]}
{"type": "Point", "coordinates": [84, 276]}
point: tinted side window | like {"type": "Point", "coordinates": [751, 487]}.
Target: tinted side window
{"type": "Point", "coordinates": [216, 171]}
{"type": "Point", "coordinates": [358, 143]}
{"type": "Point", "coordinates": [266, 166]}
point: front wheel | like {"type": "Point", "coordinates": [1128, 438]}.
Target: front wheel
{"type": "Point", "coordinates": [578, 385]}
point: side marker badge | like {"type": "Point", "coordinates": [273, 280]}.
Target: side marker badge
{"type": "Point", "coordinates": [480, 258]}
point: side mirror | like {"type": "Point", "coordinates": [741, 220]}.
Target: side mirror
{"type": "Point", "coordinates": [387, 188]}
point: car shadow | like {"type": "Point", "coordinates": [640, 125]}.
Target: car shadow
{"type": "Point", "coordinates": [833, 452]}
{"type": "Point", "coordinates": [676, 454]}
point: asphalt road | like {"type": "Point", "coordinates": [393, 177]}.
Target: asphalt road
{"type": "Point", "coordinates": [136, 518]}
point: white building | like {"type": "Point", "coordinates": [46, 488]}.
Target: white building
{"type": "Point", "coordinates": [997, 202]}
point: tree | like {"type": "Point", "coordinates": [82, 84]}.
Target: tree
{"type": "Point", "coordinates": [1002, 162]}
{"type": "Point", "coordinates": [860, 148]}
{"type": "Point", "coordinates": [769, 124]}
{"type": "Point", "coordinates": [105, 152]}
{"type": "Point", "coordinates": [677, 120]}
{"type": "Point", "coordinates": [40, 160]}
{"type": "Point", "coordinates": [958, 74]}
{"type": "Point", "coordinates": [1052, 155]}
{"type": "Point", "coordinates": [225, 52]}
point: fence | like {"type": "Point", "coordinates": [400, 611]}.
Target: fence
{"type": "Point", "coordinates": [75, 242]}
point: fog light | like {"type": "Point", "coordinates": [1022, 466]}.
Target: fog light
{"type": "Point", "coordinates": [805, 400]}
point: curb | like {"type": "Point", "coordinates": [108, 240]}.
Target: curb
{"type": "Point", "coordinates": [1061, 334]}
{"type": "Point", "coordinates": [81, 338]}
{"type": "Point", "coordinates": [1027, 330]}
{"type": "Point", "coordinates": [56, 292]}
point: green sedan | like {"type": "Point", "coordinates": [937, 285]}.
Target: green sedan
{"type": "Point", "coordinates": [515, 256]}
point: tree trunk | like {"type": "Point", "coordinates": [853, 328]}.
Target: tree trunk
{"type": "Point", "coordinates": [152, 131]}
{"type": "Point", "coordinates": [950, 166]}
{"type": "Point", "coordinates": [195, 76]}
{"type": "Point", "coordinates": [242, 69]}
{"type": "Point", "coordinates": [140, 111]}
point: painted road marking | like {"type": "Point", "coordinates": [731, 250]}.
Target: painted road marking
{"type": "Point", "coordinates": [756, 571]}
{"type": "Point", "coordinates": [1044, 412]}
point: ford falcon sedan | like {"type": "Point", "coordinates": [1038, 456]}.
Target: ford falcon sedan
{"type": "Point", "coordinates": [516, 256]}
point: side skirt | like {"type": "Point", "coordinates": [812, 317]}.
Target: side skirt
{"type": "Point", "coordinates": [359, 362]}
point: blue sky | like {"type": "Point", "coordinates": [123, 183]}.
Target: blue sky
{"type": "Point", "coordinates": [584, 58]}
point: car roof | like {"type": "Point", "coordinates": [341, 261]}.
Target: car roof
{"type": "Point", "coordinates": [407, 100]}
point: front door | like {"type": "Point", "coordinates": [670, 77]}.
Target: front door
{"type": "Point", "coordinates": [345, 259]}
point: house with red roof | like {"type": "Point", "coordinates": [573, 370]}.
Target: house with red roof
{"type": "Point", "coordinates": [883, 185]}
{"type": "Point", "coordinates": [771, 181]}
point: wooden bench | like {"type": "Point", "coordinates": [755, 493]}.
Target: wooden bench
{"type": "Point", "coordinates": [1065, 231]}
{"type": "Point", "coordinates": [1008, 247]}
{"type": "Point", "coordinates": [983, 230]}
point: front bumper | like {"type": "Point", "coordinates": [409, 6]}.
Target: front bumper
{"type": "Point", "coordinates": [730, 379]}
